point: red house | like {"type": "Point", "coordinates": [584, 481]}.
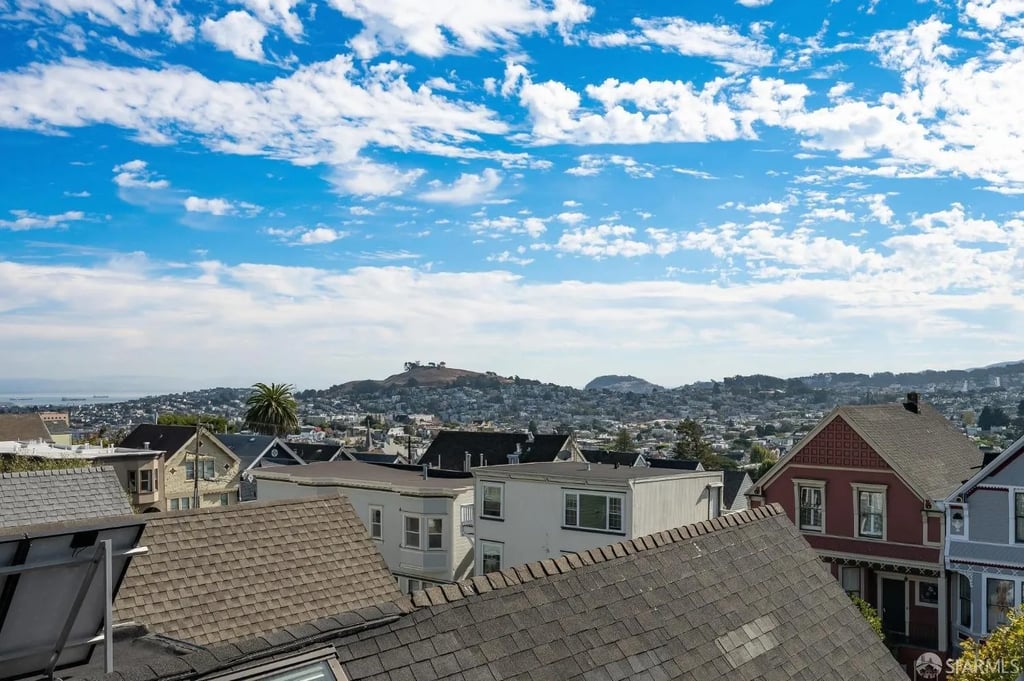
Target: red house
{"type": "Point", "coordinates": [865, 488]}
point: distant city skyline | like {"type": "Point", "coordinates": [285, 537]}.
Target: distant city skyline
{"type": "Point", "coordinates": [559, 189]}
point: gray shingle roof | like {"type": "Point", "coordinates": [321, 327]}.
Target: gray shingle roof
{"type": "Point", "coordinates": [23, 427]}
{"type": "Point", "coordinates": [740, 597]}
{"type": "Point", "coordinates": [233, 572]}
{"type": "Point", "coordinates": [60, 496]}
{"type": "Point", "coordinates": [925, 447]}
{"type": "Point", "coordinates": [166, 438]}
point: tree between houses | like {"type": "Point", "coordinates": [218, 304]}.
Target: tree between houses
{"type": "Point", "coordinates": [272, 410]}
{"type": "Point", "coordinates": [1000, 657]}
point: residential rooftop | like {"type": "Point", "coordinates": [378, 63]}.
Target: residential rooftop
{"type": "Point", "coordinates": [61, 495]}
{"type": "Point", "coordinates": [362, 474]}
{"type": "Point", "coordinates": [581, 471]}
{"type": "Point", "coordinates": [48, 450]}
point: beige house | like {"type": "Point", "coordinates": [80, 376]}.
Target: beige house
{"type": "Point", "coordinates": [214, 466]}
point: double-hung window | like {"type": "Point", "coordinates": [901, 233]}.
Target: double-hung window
{"type": "Point", "coordinates": [964, 598]}
{"type": "Point", "coordinates": [811, 500]}
{"type": "Point", "coordinates": [490, 553]}
{"type": "Point", "coordinates": [412, 531]}
{"type": "Point", "coordinates": [376, 522]}
{"type": "Point", "coordinates": [133, 486]}
{"type": "Point", "coordinates": [190, 470]}
{"type": "Point", "coordinates": [851, 580]}
{"type": "Point", "coordinates": [870, 512]}
{"type": "Point", "coordinates": [147, 480]}
{"type": "Point", "coordinates": [999, 601]}
{"type": "Point", "coordinates": [493, 505]}
{"type": "Point", "coordinates": [435, 533]}
{"type": "Point", "coordinates": [593, 511]}
{"type": "Point", "coordinates": [206, 467]}
{"type": "Point", "coordinates": [1018, 516]}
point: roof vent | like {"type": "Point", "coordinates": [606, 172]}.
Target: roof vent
{"type": "Point", "coordinates": [145, 445]}
{"type": "Point", "coordinates": [913, 403]}
{"type": "Point", "coordinates": [513, 458]}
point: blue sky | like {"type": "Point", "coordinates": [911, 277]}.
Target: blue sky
{"type": "Point", "coordinates": [318, 191]}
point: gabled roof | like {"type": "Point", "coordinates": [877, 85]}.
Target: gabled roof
{"type": "Point", "coordinates": [23, 427]}
{"type": "Point", "coordinates": [311, 452]}
{"type": "Point", "coordinates": [61, 496]}
{"type": "Point", "coordinates": [449, 447]}
{"type": "Point", "coordinates": [678, 464]}
{"type": "Point", "coordinates": [254, 449]}
{"type": "Point", "coordinates": [733, 482]}
{"type": "Point", "coordinates": [605, 456]}
{"type": "Point", "coordinates": [232, 572]}
{"type": "Point", "coordinates": [991, 464]}
{"type": "Point", "coordinates": [737, 597]}
{"type": "Point", "coordinates": [367, 457]}
{"type": "Point", "coordinates": [168, 438]}
{"type": "Point", "coordinates": [923, 447]}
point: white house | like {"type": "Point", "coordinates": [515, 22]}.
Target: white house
{"type": "Point", "coordinates": [532, 511]}
{"type": "Point", "coordinates": [416, 521]}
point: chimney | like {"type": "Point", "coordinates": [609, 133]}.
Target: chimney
{"type": "Point", "coordinates": [467, 462]}
{"type": "Point", "coordinates": [145, 445]}
{"type": "Point", "coordinates": [426, 471]}
{"type": "Point", "coordinates": [913, 403]}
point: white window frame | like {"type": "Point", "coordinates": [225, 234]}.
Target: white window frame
{"type": "Point", "coordinates": [409, 581]}
{"type": "Point", "coordinates": [608, 497]}
{"type": "Point", "coordinates": [439, 534]}
{"type": "Point", "coordinates": [147, 480]}
{"type": "Point", "coordinates": [405, 531]}
{"type": "Point", "coordinates": [190, 465]}
{"type": "Point", "coordinates": [859, 487]}
{"type": "Point", "coordinates": [487, 544]}
{"type": "Point", "coordinates": [500, 486]}
{"type": "Point", "coordinates": [379, 535]}
{"type": "Point", "coordinates": [210, 464]}
{"type": "Point", "coordinates": [960, 603]}
{"type": "Point", "coordinates": [949, 523]}
{"type": "Point", "coordinates": [174, 505]}
{"type": "Point", "coordinates": [1014, 602]}
{"type": "Point", "coordinates": [798, 484]}
{"type": "Point", "coordinates": [860, 579]}
{"type": "Point", "coordinates": [325, 656]}
{"type": "Point", "coordinates": [917, 593]}
{"type": "Point", "coordinates": [225, 499]}
{"type": "Point", "coordinates": [1013, 540]}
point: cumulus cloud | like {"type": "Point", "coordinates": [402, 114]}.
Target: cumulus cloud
{"type": "Point", "coordinates": [509, 258]}
{"type": "Point", "coordinates": [130, 16]}
{"type": "Point", "coordinates": [603, 241]}
{"type": "Point", "coordinates": [137, 175]}
{"type": "Point", "coordinates": [278, 13]}
{"type": "Point", "coordinates": [505, 225]}
{"type": "Point", "coordinates": [366, 178]}
{"type": "Point", "coordinates": [307, 236]}
{"type": "Point", "coordinates": [236, 32]}
{"type": "Point", "coordinates": [593, 164]}
{"type": "Point", "coordinates": [24, 220]}
{"type": "Point", "coordinates": [219, 207]}
{"type": "Point", "coordinates": [466, 189]}
{"type": "Point", "coordinates": [436, 28]}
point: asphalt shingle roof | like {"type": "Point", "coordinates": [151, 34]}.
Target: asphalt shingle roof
{"type": "Point", "coordinates": [314, 451]}
{"type": "Point", "coordinates": [738, 597]}
{"type": "Point", "coordinates": [925, 447]}
{"type": "Point", "coordinates": [60, 496]}
{"type": "Point", "coordinates": [609, 457]}
{"type": "Point", "coordinates": [227, 573]}
{"type": "Point", "coordinates": [169, 439]}
{"type": "Point", "coordinates": [23, 427]}
{"type": "Point", "coordinates": [449, 447]}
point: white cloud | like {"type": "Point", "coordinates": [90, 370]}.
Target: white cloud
{"type": "Point", "coordinates": [366, 178]}
{"type": "Point", "coordinates": [360, 210]}
{"type": "Point", "coordinates": [321, 235]}
{"type": "Point", "coordinates": [78, 195]}
{"type": "Point", "coordinates": [504, 225]}
{"type": "Point", "coordinates": [436, 28]}
{"type": "Point", "coordinates": [992, 14]}
{"type": "Point", "coordinates": [307, 236]}
{"type": "Point", "coordinates": [571, 204]}
{"type": "Point", "coordinates": [322, 113]}
{"type": "Point", "coordinates": [720, 43]}
{"type": "Point", "coordinates": [571, 218]}
{"type": "Point", "coordinates": [603, 241]}
{"type": "Point", "coordinates": [218, 206]}
{"type": "Point", "coordinates": [466, 189]}
{"type": "Point", "coordinates": [130, 16]}
{"type": "Point", "coordinates": [25, 220]}
{"type": "Point", "coordinates": [236, 32]}
{"type": "Point", "coordinates": [770, 207]}
{"type": "Point", "coordinates": [593, 164]}
{"type": "Point", "coordinates": [754, 3]}
{"type": "Point", "coordinates": [277, 13]}
{"type": "Point", "coordinates": [879, 209]}
{"type": "Point", "coordinates": [137, 175]}
{"type": "Point", "coordinates": [828, 214]}
{"type": "Point", "coordinates": [509, 258]}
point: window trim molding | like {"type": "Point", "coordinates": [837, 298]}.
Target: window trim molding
{"type": "Point", "coordinates": [818, 484]}
{"type": "Point", "coordinates": [326, 654]}
{"type": "Point", "coordinates": [860, 578]}
{"type": "Point", "coordinates": [501, 554]}
{"type": "Point", "coordinates": [607, 529]}
{"type": "Point", "coordinates": [372, 508]}
{"type": "Point", "coordinates": [859, 487]}
{"type": "Point", "coordinates": [1015, 601]}
{"type": "Point", "coordinates": [949, 523]}
{"type": "Point", "coordinates": [1012, 530]}
{"type": "Point", "coordinates": [419, 531]}
{"type": "Point", "coordinates": [960, 603]}
{"type": "Point", "coordinates": [484, 484]}
{"type": "Point", "coordinates": [917, 593]}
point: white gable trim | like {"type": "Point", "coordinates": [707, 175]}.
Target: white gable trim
{"type": "Point", "coordinates": [1007, 454]}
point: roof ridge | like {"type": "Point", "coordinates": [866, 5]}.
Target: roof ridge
{"type": "Point", "coordinates": [241, 506]}
{"type": "Point", "coordinates": [447, 593]}
{"type": "Point", "coordinates": [56, 471]}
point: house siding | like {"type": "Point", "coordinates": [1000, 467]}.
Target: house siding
{"type": "Point", "coordinates": [226, 474]}
{"type": "Point", "coordinates": [989, 516]}
{"type": "Point", "coordinates": [1010, 474]}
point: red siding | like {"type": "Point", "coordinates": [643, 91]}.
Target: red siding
{"type": "Point", "coordinates": [837, 446]}
{"type": "Point", "coordinates": [934, 529]}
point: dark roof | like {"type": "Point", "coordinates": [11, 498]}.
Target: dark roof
{"type": "Point", "coordinates": [605, 456]}
{"type": "Point", "coordinates": [738, 597]}
{"type": "Point", "coordinates": [677, 464]}
{"type": "Point", "coordinates": [61, 496]}
{"type": "Point", "coordinates": [732, 484]}
{"type": "Point", "coordinates": [248, 448]}
{"type": "Point", "coordinates": [232, 572]}
{"type": "Point", "coordinates": [314, 451]}
{"type": "Point", "coordinates": [166, 438]}
{"type": "Point", "coordinates": [449, 447]}
{"type": "Point", "coordinates": [382, 476]}
{"type": "Point", "coordinates": [57, 428]}
{"type": "Point", "coordinates": [375, 458]}
{"type": "Point", "coordinates": [581, 471]}
{"type": "Point", "coordinates": [23, 427]}
{"type": "Point", "coordinates": [925, 447]}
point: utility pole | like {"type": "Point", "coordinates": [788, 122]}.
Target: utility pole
{"type": "Point", "coordinates": [195, 469]}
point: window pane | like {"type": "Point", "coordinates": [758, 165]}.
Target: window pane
{"type": "Point", "coordinates": [190, 470]}
{"type": "Point", "coordinates": [318, 671]}
{"type": "Point", "coordinates": [434, 533]}
{"type": "Point", "coordinates": [570, 509]}
{"type": "Point", "coordinates": [871, 514]}
{"type": "Point", "coordinates": [174, 504]}
{"type": "Point", "coordinates": [492, 501]}
{"type": "Point", "coordinates": [593, 511]}
{"type": "Point", "coordinates": [851, 580]}
{"type": "Point", "coordinates": [491, 557]}
{"type": "Point", "coordinates": [965, 601]}
{"type": "Point", "coordinates": [810, 507]}
{"type": "Point", "coordinates": [614, 513]}
{"type": "Point", "coordinates": [1000, 601]}
{"type": "Point", "coordinates": [412, 531]}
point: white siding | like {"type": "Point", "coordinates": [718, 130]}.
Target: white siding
{"type": "Point", "coordinates": [663, 504]}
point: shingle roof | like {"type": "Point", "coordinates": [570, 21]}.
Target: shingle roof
{"type": "Point", "coordinates": [60, 496]}
{"type": "Point", "coordinates": [249, 447]}
{"type": "Point", "coordinates": [738, 597]}
{"type": "Point", "coordinates": [449, 447]}
{"type": "Point", "coordinates": [605, 456]}
{"type": "Point", "coordinates": [168, 438]}
{"type": "Point", "coordinates": [227, 573]}
{"type": "Point", "coordinates": [314, 451]}
{"type": "Point", "coordinates": [934, 456]}
{"type": "Point", "coordinates": [23, 427]}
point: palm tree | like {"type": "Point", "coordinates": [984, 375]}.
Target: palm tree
{"type": "Point", "coordinates": [272, 409]}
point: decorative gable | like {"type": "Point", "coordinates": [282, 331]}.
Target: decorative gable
{"type": "Point", "coordinates": [837, 444]}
